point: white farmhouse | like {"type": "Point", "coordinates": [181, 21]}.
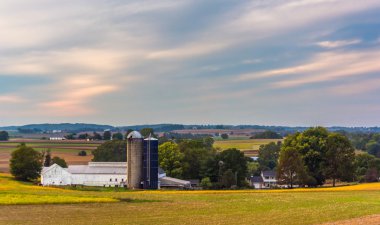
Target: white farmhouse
{"type": "Point", "coordinates": [267, 179]}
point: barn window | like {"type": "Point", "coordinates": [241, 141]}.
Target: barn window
{"type": "Point", "coordinates": [122, 179]}
{"type": "Point", "coordinates": [110, 179]}
{"type": "Point", "coordinates": [116, 179]}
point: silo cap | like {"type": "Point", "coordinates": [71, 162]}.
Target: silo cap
{"type": "Point", "coordinates": [151, 139]}
{"type": "Point", "coordinates": [134, 135]}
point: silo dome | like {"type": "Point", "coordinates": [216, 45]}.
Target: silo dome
{"type": "Point", "coordinates": [134, 135]}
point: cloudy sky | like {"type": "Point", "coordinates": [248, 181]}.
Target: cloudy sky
{"type": "Point", "coordinates": [119, 62]}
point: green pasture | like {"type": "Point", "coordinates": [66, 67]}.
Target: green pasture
{"type": "Point", "coordinates": [251, 144]}
{"type": "Point", "coordinates": [23, 203]}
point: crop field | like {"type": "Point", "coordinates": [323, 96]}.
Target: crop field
{"type": "Point", "coordinates": [249, 146]}
{"type": "Point", "coordinates": [23, 203]}
{"type": "Point", "coordinates": [64, 149]}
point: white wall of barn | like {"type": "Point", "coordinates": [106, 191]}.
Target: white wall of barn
{"type": "Point", "coordinates": [55, 176]}
{"type": "Point", "coordinates": [107, 180]}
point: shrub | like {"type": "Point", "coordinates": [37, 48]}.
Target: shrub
{"type": "Point", "coordinates": [82, 153]}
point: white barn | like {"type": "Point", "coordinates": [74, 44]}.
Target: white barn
{"type": "Point", "coordinates": [102, 174]}
{"type": "Point", "coordinates": [106, 174]}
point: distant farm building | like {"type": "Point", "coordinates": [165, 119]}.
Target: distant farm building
{"type": "Point", "coordinates": [139, 172]}
{"type": "Point", "coordinates": [57, 138]}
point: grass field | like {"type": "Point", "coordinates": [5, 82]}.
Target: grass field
{"type": "Point", "coordinates": [249, 146]}
{"type": "Point", "coordinates": [23, 203]}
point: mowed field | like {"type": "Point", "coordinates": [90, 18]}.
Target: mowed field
{"type": "Point", "coordinates": [23, 203]}
{"type": "Point", "coordinates": [250, 147]}
{"type": "Point", "coordinates": [64, 149]}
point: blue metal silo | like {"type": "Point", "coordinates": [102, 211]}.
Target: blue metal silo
{"type": "Point", "coordinates": [150, 163]}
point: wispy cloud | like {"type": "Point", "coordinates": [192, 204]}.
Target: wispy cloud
{"type": "Point", "coordinates": [338, 44]}
{"type": "Point", "coordinates": [332, 66]}
{"type": "Point", "coordinates": [11, 99]}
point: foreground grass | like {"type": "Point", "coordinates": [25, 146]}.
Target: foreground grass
{"type": "Point", "coordinates": [298, 206]}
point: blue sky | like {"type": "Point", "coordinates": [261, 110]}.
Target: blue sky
{"type": "Point", "coordinates": [272, 62]}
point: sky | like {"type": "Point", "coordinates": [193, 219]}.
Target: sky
{"type": "Point", "coordinates": [120, 62]}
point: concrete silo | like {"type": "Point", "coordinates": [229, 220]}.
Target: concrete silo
{"type": "Point", "coordinates": [135, 143]}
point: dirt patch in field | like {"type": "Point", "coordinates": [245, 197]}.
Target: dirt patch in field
{"type": "Point", "coordinates": [366, 220]}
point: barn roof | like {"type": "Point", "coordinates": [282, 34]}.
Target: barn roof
{"type": "Point", "coordinates": [99, 168]}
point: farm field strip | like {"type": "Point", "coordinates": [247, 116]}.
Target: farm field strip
{"type": "Point", "coordinates": [249, 144]}
{"type": "Point", "coordinates": [24, 204]}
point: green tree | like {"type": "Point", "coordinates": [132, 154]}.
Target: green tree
{"type": "Point", "coordinates": [117, 136]}
{"type": "Point", "coordinates": [4, 136]}
{"type": "Point", "coordinates": [339, 158]}
{"type": "Point", "coordinates": [206, 183]}
{"type": "Point", "coordinates": [96, 136]}
{"type": "Point", "coordinates": [111, 151]}
{"type": "Point", "coordinates": [145, 132]}
{"type": "Point", "coordinates": [107, 135]}
{"type": "Point", "coordinates": [195, 155]}
{"type": "Point", "coordinates": [229, 178]}
{"type": "Point", "coordinates": [83, 136]}
{"type": "Point", "coordinates": [366, 167]}
{"type": "Point", "coordinates": [267, 135]}
{"type": "Point", "coordinates": [70, 136]}
{"type": "Point", "coordinates": [224, 136]}
{"type": "Point", "coordinates": [82, 153]}
{"type": "Point", "coordinates": [25, 163]}
{"type": "Point", "coordinates": [311, 144]}
{"type": "Point", "coordinates": [373, 148]}
{"type": "Point", "coordinates": [47, 158]}
{"type": "Point", "coordinates": [170, 159]}
{"type": "Point", "coordinates": [291, 169]}
{"type": "Point", "coordinates": [235, 161]}
{"type": "Point", "coordinates": [253, 168]}
{"type": "Point", "coordinates": [59, 161]}
{"type": "Point", "coordinates": [268, 156]}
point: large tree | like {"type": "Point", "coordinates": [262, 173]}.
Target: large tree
{"type": "Point", "coordinates": [170, 159]}
{"type": "Point", "coordinates": [234, 160]}
{"type": "Point", "coordinates": [339, 158]}
{"type": "Point", "coordinates": [111, 151]}
{"type": "Point", "coordinates": [291, 169]}
{"type": "Point", "coordinates": [107, 135]}
{"type": "Point", "coordinates": [311, 144]}
{"type": "Point", "coordinates": [366, 165]}
{"type": "Point", "coordinates": [25, 163]}
{"type": "Point", "coordinates": [4, 136]}
{"type": "Point", "coordinates": [195, 156]}
{"type": "Point", "coordinates": [268, 156]}
{"type": "Point", "coordinates": [117, 136]}
{"type": "Point", "coordinates": [373, 148]}
{"type": "Point", "coordinates": [145, 132]}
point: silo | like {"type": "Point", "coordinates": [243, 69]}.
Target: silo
{"type": "Point", "coordinates": [134, 158]}
{"type": "Point", "coordinates": [150, 163]}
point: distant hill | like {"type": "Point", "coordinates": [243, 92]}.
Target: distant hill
{"type": "Point", "coordinates": [80, 127]}
{"type": "Point", "coordinates": [66, 127]}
